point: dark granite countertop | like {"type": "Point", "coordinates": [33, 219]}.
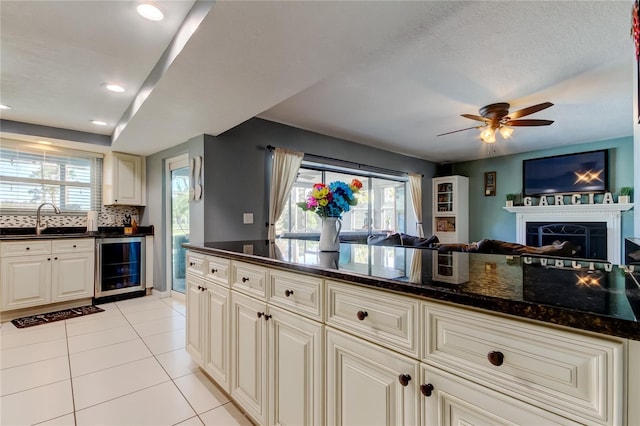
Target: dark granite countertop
{"type": "Point", "coordinates": [582, 294]}
{"type": "Point", "coordinates": [25, 233]}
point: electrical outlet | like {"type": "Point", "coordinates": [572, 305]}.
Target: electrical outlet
{"type": "Point", "coordinates": [247, 218]}
{"type": "Point", "coordinates": [247, 249]}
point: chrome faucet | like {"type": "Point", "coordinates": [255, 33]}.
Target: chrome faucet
{"type": "Point", "coordinates": [39, 226]}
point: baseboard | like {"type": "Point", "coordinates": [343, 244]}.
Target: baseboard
{"type": "Point", "coordinates": [161, 294]}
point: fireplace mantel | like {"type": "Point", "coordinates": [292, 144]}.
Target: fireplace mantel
{"type": "Point", "coordinates": [609, 213]}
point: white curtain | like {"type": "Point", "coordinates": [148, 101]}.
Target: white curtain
{"type": "Point", "coordinates": [283, 175]}
{"type": "Point", "coordinates": [415, 187]}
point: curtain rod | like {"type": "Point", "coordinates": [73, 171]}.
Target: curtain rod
{"type": "Point", "coordinates": [351, 163]}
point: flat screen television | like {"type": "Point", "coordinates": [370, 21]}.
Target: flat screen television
{"type": "Point", "coordinates": [582, 172]}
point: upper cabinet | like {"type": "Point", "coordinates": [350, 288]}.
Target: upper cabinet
{"type": "Point", "coordinates": [451, 209]}
{"type": "Point", "coordinates": [123, 180]}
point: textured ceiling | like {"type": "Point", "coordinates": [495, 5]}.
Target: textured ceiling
{"type": "Point", "coordinates": [387, 74]}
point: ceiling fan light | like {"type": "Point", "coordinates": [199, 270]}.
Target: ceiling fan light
{"type": "Point", "coordinates": [506, 132]}
{"type": "Point", "coordinates": [488, 135]}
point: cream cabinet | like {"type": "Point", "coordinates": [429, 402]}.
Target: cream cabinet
{"type": "Point", "coordinates": [123, 179]}
{"type": "Point", "coordinates": [40, 272]}
{"type": "Point", "coordinates": [384, 318]}
{"type": "Point", "coordinates": [26, 281]}
{"type": "Point", "coordinates": [208, 323]}
{"type": "Point", "coordinates": [449, 400]}
{"type": "Point", "coordinates": [269, 357]}
{"type": "Point", "coordinates": [574, 376]}
{"type": "Point", "coordinates": [72, 274]}
{"type": "Point", "coordinates": [249, 355]}
{"type": "Point", "coordinates": [277, 359]}
{"type": "Point", "coordinates": [369, 385]}
{"type": "Point", "coordinates": [304, 350]}
{"type": "Point", "coordinates": [195, 317]}
{"type": "Point", "coordinates": [217, 359]}
{"type": "Point", "coordinates": [295, 369]}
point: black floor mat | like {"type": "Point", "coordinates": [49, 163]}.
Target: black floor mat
{"type": "Point", "coordinates": [55, 316]}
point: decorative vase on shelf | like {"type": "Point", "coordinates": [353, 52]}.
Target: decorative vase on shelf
{"type": "Point", "coordinates": [624, 199]}
{"type": "Point", "coordinates": [330, 234]}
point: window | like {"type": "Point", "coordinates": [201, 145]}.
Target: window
{"type": "Point", "coordinates": [29, 177]}
{"type": "Point", "coordinates": [381, 204]}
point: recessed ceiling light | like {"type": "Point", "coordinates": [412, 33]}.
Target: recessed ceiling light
{"type": "Point", "coordinates": [99, 123]}
{"type": "Point", "coordinates": [150, 12]}
{"type": "Point", "coordinates": [3, 106]}
{"type": "Point", "coordinates": [114, 88]}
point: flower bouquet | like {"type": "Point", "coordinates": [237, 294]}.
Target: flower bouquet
{"type": "Point", "coordinates": [331, 200]}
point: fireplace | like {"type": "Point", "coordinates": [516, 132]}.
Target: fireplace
{"type": "Point", "coordinates": [588, 238]}
{"type": "Point", "coordinates": [609, 214]}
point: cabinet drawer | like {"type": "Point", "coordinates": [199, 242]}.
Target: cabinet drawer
{"type": "Point", "coordinates": [249, 279]}
{"type": "Point", "coordinates": [73, 245]}
{"type": "Point", "coordinates": [195, 263]}
{"type": "Point", "coordinates": [217, 270]}
{"type": "Point", "coordinates": [298, 293]}
{"type": "Point", "coordinates": [462, 402]}
{"type": "Point", "coordinates": [384, 318]}
{"type": "Point", "coordinates": [21, 248]}
{"type": "Point", "coordinates": [567, 373]}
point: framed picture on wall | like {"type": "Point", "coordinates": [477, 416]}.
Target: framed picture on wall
{"type": "Point", "coordinates": [489, 184]}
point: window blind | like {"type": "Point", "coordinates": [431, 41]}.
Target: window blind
{"type": "Point", "coordinates": [72, 180]}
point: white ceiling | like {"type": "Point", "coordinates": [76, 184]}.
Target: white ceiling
{"type": "Point", "coordinates": [387, 74]}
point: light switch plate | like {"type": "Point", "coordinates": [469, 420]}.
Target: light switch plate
{"type": "Point", "coordinates": [247, 218]}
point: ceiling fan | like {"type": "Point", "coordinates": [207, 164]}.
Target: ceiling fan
{"type": "Point", "coordinates": [497, 117]}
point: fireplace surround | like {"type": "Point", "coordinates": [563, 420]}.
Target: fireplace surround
{"type": "Point", "coordinates": [610, 214]}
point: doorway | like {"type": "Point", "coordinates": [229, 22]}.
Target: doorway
{"type": "Point", "coordinates": [177, 229]}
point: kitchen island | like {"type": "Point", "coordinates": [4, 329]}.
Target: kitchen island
{"type": "Point", "coordinates": [414, 336]}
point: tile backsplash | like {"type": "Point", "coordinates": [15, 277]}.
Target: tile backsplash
{"type": "Point", "coordinates": [108, 216]}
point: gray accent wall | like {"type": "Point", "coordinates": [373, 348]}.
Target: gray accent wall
{"type": "Point", "coordinates": [237, 165]}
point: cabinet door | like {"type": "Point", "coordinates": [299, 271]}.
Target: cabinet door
{"type": "Point", "coordinates": [295, 370]}
{"type": "Point", "coordinates": [72, 276]}
{"type": "Point", "coordinates": [366, 383]}
{"type": "Point", "coordinates": [26, 281]}
{"type": "Point", "coordinates": [123, 179]}
{"type": "Point", "coordinates": [248, 355]}
{"type": "Point", "coordinates": [195, 333]}
{"type": "Point", "coordinates": [449, 400]}
{"type": "Point", "coordinates": [216, 334]}
{"type": "Point", "coordinates": [128, 174]}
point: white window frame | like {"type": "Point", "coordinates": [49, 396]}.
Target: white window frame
{"type": "Point", "coordinates": [360, 174]}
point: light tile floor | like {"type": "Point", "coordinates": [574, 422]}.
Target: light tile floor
{"type": "Point", "coordinates": [124, 366]}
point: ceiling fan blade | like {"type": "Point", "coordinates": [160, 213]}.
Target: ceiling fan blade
{"type": "Point", "coordinates": [461, 130]}
{"type": "Point", "coordinates": [477, 118]}
{"type": "Point", "coordinates": [516, 123]}
{"type": "Point", "coordinates": [529, 110]}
